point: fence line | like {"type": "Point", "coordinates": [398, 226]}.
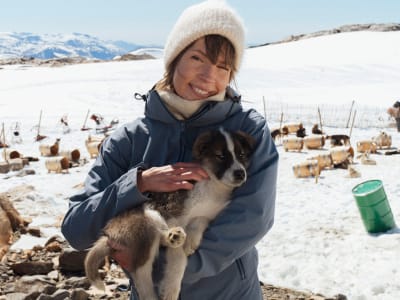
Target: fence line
{"type": "Point", "coordinates": [332, 115]}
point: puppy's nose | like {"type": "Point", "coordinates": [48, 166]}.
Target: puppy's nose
{"type": "Point", "coordinates": [239, 174]}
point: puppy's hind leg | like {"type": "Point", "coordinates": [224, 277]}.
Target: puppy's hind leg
{"type": "Point", "coordinates": [170, 237]}
{"type": "Point", "coordinates": [142, 276]}
{"type": "Point", "coordinates": [170, 285]}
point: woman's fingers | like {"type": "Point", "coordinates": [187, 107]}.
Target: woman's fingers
{"type": "Point", "coordinates": [171, 177]}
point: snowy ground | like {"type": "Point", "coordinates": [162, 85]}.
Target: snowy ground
{"type": "Point", "coordinates": [318, 242]}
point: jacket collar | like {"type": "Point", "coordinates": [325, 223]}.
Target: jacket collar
{"type": "Point", "coordinates": [211, 113]}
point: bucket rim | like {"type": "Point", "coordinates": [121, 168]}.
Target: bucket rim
{"type": "Point", "coordinates": [370, 191]}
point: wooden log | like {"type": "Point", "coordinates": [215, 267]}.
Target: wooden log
{"type": "Point", "coordinates": [366, 146]}
{"type": "Point", "coordinates": [341, 154]}
{"type": "Point", "coordinates": [306, 169]}
{"type": "Point", "coordinates": [4, 167]}
{"type": "Point", "coordinates": [17, 164]}
{"type": "Point", "coordinates": [57, 164]}
{"type": "Point", "coordinates": [314, 141]}
{"type": "Point", "coordinates": [49, 150]}
{"type": "Point", "coordinates": [72, 155]}
{"type": "Point", "coordinates": [93, 144]}
{"type": "Point", "coordinates": [292, 143]}
{"type": "Point", "coordinates": [10, 154]}
{"type": "Point", "coordinates": [324, 161]}
{"type": "Point", "coordinates": [293, 127]}
{"type": "Point", "coordinates": [93, 149]}
{"type": "Point", "coordinates": [383, 140]}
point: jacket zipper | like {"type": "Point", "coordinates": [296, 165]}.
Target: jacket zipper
{"type": "Point", "coordinates": [240, 266]}
{"type": "Point", "coordinates": [182, 144]}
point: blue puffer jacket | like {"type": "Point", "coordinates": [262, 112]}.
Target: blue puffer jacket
{"type": "Point", "coordinates": [225, 265]}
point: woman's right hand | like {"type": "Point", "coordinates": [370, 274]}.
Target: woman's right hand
{"type": "Point", "coordinates": [170, 178]}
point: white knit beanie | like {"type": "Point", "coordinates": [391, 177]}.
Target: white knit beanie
{"type": "Point", "coordinates": [208, 17]}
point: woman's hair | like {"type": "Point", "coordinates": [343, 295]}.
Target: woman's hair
{"type": "Point", "coordinates": [215, 45]}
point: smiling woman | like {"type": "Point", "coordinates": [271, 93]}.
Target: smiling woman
{"type": "Point", "coordinates": [154, 154]}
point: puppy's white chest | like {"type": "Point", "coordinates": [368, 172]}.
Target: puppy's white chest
{"type": "Point", "coordinates": [205, 200]}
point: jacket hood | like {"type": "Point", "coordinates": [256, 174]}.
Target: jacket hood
{"type": "Point", "coordinates": [212, 112]}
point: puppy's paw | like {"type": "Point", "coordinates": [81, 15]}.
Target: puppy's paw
{"type": "Point", "coordinates": [176, 237]}
{"type": "Point", "coordinates": [191, 245]}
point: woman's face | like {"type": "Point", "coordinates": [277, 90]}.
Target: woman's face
{"type": "Point", "coordinates": [196, 77]}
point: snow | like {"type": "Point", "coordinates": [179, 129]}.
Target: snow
{"type": "Point", "coordinates": [318, 242]}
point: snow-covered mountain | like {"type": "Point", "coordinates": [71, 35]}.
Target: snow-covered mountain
{"type": "Point", "coordinates": [47, 46]}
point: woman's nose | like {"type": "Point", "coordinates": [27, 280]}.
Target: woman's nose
{"type": "Point", "coordinates": [209, 72]}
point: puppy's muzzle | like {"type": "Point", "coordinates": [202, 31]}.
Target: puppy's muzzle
{"type": "Point", "coordinates": [239, 176]}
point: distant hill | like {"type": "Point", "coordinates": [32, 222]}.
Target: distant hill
{"type": "Point", "coordinates": [344, 28]}
{"type": "Point", "coordinates": [53, 46]}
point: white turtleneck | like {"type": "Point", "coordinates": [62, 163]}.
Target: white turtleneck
{"type": "Point", "coordinates": [183, 109]}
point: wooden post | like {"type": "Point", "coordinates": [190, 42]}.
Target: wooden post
{"type": "Point", "coordinates": [280, 122]}
{"type": "Point", "coordinates": [265, 108]}
{"type": "Point", "coordinates": [352, 123]}
{"type": "Point", "coordinates": [348, 120]}
{"type": "Point", "coordinates": [40, 121]}
{"type": "Point", "coordinates": [84, 123]}
{"type": "Point", "coordinates": [4, 141]}
{"type": "Point", "coordinates": [320, 119]}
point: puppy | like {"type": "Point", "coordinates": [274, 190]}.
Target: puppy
{"type": "Point", "coordinates": [316, 130]}
{"type": "Point", "coordinates": [176, 220]}
{"type": "Point", "coordinates": [339, 140]}
{"type": "Point", "coordinates": [279, 132]}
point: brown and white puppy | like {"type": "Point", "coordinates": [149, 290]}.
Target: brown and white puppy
{"type": "Point", "coordinates": [279, 132]}
{"type": "Point", "coordinates": [176, 220]}
{"type": "Point", "coordinates": [338, 140]}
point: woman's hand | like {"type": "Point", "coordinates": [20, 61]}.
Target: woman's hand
{"type": "Point", "coordinates": [170, 178]}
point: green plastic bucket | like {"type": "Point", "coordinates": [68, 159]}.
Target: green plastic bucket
{"type": "Point", "coordinates": [373, 206]}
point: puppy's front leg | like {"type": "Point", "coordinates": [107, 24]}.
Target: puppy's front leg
{"type": "Point", "coordinates": [170, 285]}
{"type": "Point", "coordinates": [194, 234]}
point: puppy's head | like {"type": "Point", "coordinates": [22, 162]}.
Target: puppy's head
{"type": "Point", "coordinates": [225, 155]}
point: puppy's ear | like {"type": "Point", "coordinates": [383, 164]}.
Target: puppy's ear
{"type": "Point", "coordinates": [246, 141]}
{"type": "Point", "coordinates": [200, 145]}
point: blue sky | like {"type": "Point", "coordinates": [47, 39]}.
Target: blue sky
{"type": "Point", "coordinates": [149, 21]}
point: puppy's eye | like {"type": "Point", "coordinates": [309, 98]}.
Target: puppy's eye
{"type": "Point", "coordinates": [242, 155]}
{"type": "Point", "coordinates": [220, 156]}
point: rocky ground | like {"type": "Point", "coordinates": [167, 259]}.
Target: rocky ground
{"type": "Point", "coordinates": [56, 272]}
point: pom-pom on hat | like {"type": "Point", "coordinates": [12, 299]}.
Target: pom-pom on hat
{"type": "Point", "coordinates": [205, 18]}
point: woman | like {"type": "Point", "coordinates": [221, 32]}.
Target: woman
{"type": "Point", "coordinates": [202, 55]}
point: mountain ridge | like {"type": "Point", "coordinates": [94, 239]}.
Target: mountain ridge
{"type": "Point", "coordinates": [382, 27]}
{"type": "Point", "coordinates": [55, 46]}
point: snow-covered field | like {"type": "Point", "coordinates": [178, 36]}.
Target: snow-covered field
{"type": "Point", "coordinates": [318, 242]}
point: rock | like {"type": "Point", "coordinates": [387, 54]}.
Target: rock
{"type": "Point", "coordinates": [79, 294]}
{"type": "Point", "coordinates": [32, 268]}
{"type": "Point", "coordinates": [72, 260]}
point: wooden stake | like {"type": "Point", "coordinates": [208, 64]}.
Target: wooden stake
{"type": "Point", "coordinates": [40, 121]}
{"type": "Point", "coordinates": [352, 123]}
{"type": "Point", "coordinates": [265, 108]}
{"type": "Point", "coordinates": [351, 109]}
{"type": "Point", "coordinates": [280, 123]}
{"type": "Point", "coordinates": [84, 123]}
{"type": "Point", "coordinates": [4, 141]}
{"type": "Point", "coordinates": [320, 119]}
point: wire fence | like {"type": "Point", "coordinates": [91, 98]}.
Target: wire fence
{"type": "Point", "coordinates": [332, 115]}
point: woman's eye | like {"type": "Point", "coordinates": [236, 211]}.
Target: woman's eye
{"type": "Point", "coordinates": [197, 58]}
{"type": "Point", "coordinates": [224, 67]}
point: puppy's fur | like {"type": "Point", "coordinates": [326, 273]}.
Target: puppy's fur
{"type": "Point", "coordinates": [279, 133]}
{"type": "Point", "coordinates": [339, 140]}
{"type": "Point", "coordinates": [176, 220]}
